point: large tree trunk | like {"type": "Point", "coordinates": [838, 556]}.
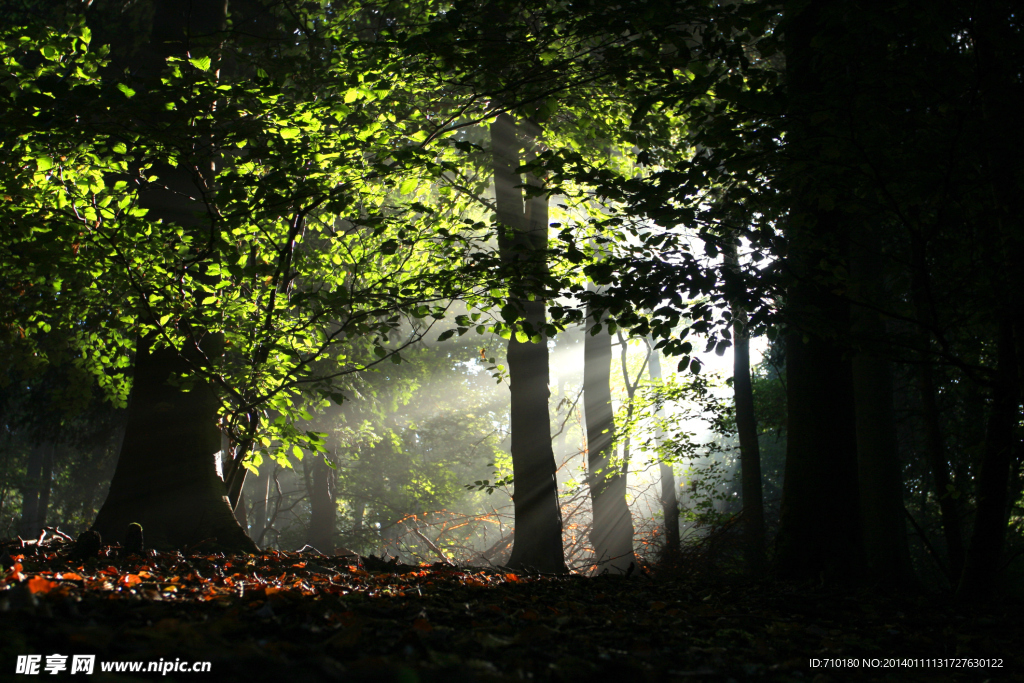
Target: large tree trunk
{"type": "Point", "coordinates": [538, 517]}
{"type": "Point", "coordinates": [746, 426]}
{"type": "Point", "coordinates": [612, 529]}
{"type": "Point", "coordinates": [819, 526]}
{"type": "Point", "coordinates": [995, 38]}
{"type": "Point", "coordinates": [166, 477]}
{"type": "Point", "coordinates": [880, 476]}
{"type": "Point", "coordinates": [669, 499]}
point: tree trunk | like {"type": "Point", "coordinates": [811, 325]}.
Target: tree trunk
{"type": "Point", "coordinates": [984, 554]}
{"type": "Point", "coordinates": [669, 500]}
{"type": "Point", "coordinates": [879, 473]}
{"type": "Point", "coordinates": [260, 493]}
{"type": "Point", "coordinates": [35, 494]}
{"type": "Point", "coordinates": [28, 525]}
{"type": "Point", "coordinates": [166, 477]}
{"type": "Point", "coordinates": [995, 39]}
{"type": "Point", "coordinates": [949, 507]}
{"type": "Point", "coordinates": [45, 486]}
{"type": "Point", "coordinates": [819, 526]}
{"type": "Point", "coordinates": [323, 508]}
{"type": "Point", "coordinates": [612, 529]}
{"type": "Point", "coordinates": [538, 517]}
{"type": "Point", "coordinates": [746, 426]}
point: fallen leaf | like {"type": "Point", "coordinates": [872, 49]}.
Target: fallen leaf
{"type": "Point", "coordinates": [38, 584]}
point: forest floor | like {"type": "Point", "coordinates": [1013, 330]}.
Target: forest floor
{"type": "Point", "coordinates": [310, 618]}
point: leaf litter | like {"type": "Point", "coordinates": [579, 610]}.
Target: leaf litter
{"type": "Point", "coordinates": [310, 617]}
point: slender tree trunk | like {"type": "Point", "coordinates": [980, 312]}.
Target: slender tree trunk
{"type": "Point", "coordinates": [984, 554]}
{"type": "Point", "coordinates": [323, 508]}
{"type": "Point", "coordinates": [669, 500]}
{"type": "Point", "coordinates": [949, 507]}
{"type": "Point", "coordinates": [935, 448]}
{"type": "Point", "coordinates": [28, 526]}
{"type": "Point", "coordinates": [260, 493]}
{"type": "Point", "coordinates": [612, 529]}
{"type": "Point", "coordinates": [45, 486]}
{"type": "Point", "coordinates": [563, 422]}
{"type": "Point", "coordinates": [538, 517]}
{"type": "Point", "coordinates": [746, 426]}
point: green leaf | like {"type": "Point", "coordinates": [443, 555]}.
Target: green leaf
{"type": "Point", "coordinates": [120, 148]}
{"type": "Point", "coordinates": [509, 313]}
{"type": "Point", "coordinates": [44, 163]}
{"type": "Point", "coordinates": [408, 185]}
{"type": "Point", "coordinates": [447, 334]}
{"type": "Point", "coordinates": [289, 133]}
{"type": "Point", "coordinates": [201, 63]}
{"type": "Point", "coordinates": [128, 92]}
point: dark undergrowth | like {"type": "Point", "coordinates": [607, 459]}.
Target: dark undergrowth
{"type": "Point", "coordinates": [309, 617]}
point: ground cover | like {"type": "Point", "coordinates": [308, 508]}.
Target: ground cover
{"type": "Point", "coordinates": [309, 617]}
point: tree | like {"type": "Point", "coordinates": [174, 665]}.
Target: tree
{"type": "Point", "coordinates": [612, 530]}
{"type": "Point", "coordinates": [522, 244]}
{"type": "Point", "coordinates": [746, 428]}
{"type": "Point", "coordinates": [669, 500]}
{"type": "Point", "coordinates": [210, 282]}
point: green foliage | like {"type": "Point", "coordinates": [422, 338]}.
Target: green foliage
{"type": "Point", "coordinates": [303, 248]}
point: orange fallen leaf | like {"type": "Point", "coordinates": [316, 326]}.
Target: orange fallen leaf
{"type": "Point", "coordinates": [38, 584]}
{"type": "Point", "coordinates": [71, 576]}
{"type": "Point", "coordinates": [511, 578]}
{"type": "Point", "coordinates": [130, 579]}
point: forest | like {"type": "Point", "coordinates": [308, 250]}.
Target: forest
{"type": "Point", "coordinates": [493, 340]}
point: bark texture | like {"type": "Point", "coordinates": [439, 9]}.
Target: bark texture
{"type": "Point", "coordinates": [612, 527]}
{"type": "Point", "coordinates": [746, 426]}
{"type": "Point", "coordinates": [669, 499]}
{"type": "Point", "coordinates": [323, 508]}
{"type": "Point", "coordinates": [538, 520]}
